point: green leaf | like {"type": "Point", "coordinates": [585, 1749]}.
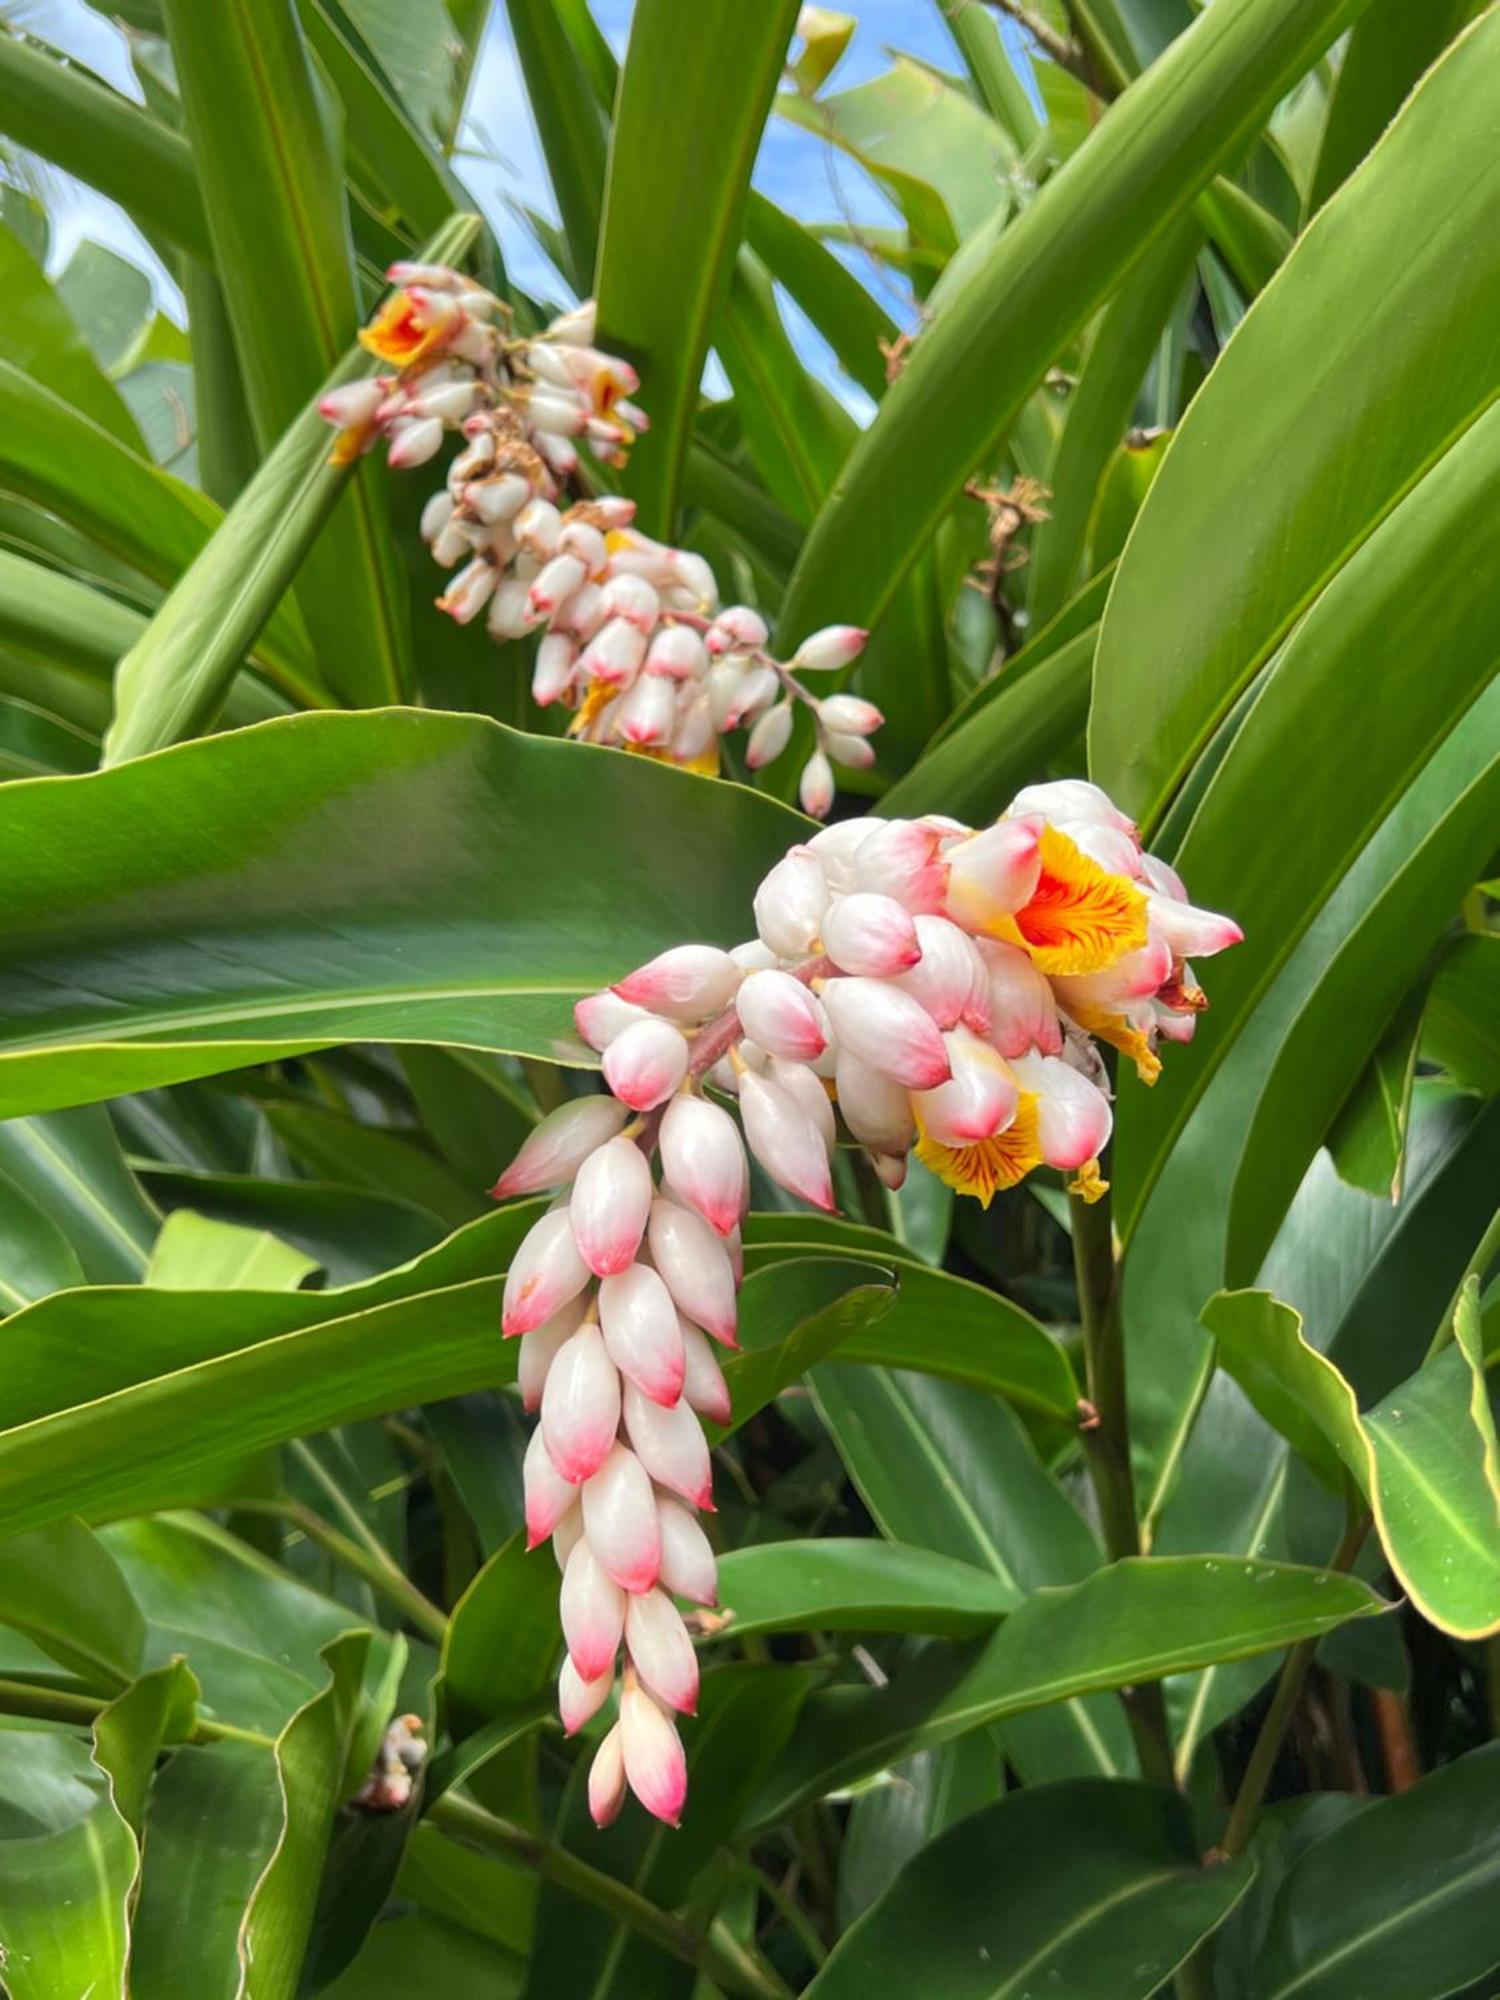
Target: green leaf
{"type": "Point", "coordinates": [1254, 515]}
{"type": "Point", "coordinates": [195, 1253]}
{"type": "Point", "coordinates": [1096, 1889]}
{"type": "Point", "coordinates": [69, 1893]}
{"type": "Point", "coordinates": [63, 1590]}
{"type": "Point", "coordinates": [1425, 1457]}
{"type": "Point", "coordinates": [1397, 1902]}
{"type": "Point", "coordinates": [36, 744]}
{"type": "Point", "coordinates": [477, 942]}
{"type": "Point", "coordinates": [173, 680]}
{"type": "Point", "coordinates": [41, 338]}
{"type": "Point", "coordinates": [69, 1164]}
{"type": "Point", "coordinates": [273, 190]}
{"type": "Point", "coordinates": [1134, 1621]}
{"type": "Point", "coordinates": [949, 1469]}
{"type": "Point", "coordinates": [350, 1233]}
{"type": "Point", "coordinates": [340, 1148]}
{"type": "Point", "coordinates": [112, 305]}
{"type": "Point", "coordinates": [1368, 1139]}
{"type": "Point", "coordinates": [1459, 1028]}
{"type": "Point", "coordinates": [938, 1323]}
{"type": "Point", "coordinates": [793, 1316]}
{"type": "Point", "coordinates": [850, 319]}
{"type": "Point", "coordinates": [35, 1256]}
{"type": "Point", "coordinates": [568, 123]}
{"type": "Point", "coordinates": [857, 1586]}
{"type": "Point", "coordinates": [502, 1639]}
{"type": "Point", "coordinates": [59, 110]}
{"type": "Point", "coordinates": [673, 202]}
{"type": "Point", "coordinates": [1044, 277]}
{"type": "Point", "coordinates": [57, 458]}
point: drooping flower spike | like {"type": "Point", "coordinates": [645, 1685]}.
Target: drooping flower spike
{"type": "Point", "coordinates": [918, 983]}
{"type": "Point", "coordinates": [632, 637]}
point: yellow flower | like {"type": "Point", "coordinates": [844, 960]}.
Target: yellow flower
{"type": "Point", "coordinates": [990, 1164]}
{"type": "Point", "coordinates": [410, 326]}
{"type": "Point", "coordinates": [1081, 918]}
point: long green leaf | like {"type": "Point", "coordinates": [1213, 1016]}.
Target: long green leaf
{"type": "Point", "coordinates": [70, 1165]}
{"type": "Point", "coordinates": [1094, 1889]}
{"type": "Point", "coordinates": [57, 458]}
{"type": "Point", "coordinates": [41, 338]}
{"type": "Point", "coordinates": [857, 1586]}
{"type": "Point", "coordinates": [63, 1590]}
{"type": "Point", "coordinates": [1265, 494]}
{"type": "Point", "coordinates": [1131, 1622]}
{"type": "Point", "coordinates": [175, 677]}
{"type": "Point", "coordinates": [273, 190]}
{"type": "Point", "coordinates": [58, 110]}
{"type": "Point", "coordinates": [529, 872]}
{"type": "Point", "coordinates": [673, 202]}
{"type": "Point", "coordinates": [992, 341]}
{"type": "Point", "coordinates": [568, 123]}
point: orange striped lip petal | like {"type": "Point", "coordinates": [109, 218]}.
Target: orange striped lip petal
{"type": "Point", "coordinates": [405, 331]}
{"type": "Point", "coordinates": [1082, 918]}
{"type": "Point", "coordinates": [984, 1168]}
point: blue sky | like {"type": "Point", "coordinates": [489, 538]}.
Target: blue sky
{"type": "Point", "coordinates": [794, 169]}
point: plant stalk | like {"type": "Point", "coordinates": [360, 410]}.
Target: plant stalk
{"type": "Point", "coordinates": [726, 1962]}
{"type": "Point", "coordinates": [374, 1565]}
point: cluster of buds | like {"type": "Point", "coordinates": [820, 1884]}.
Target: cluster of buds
{"type": "Point", "coordinates": [916, 982]}
{"type": "Point", "coordinates": [631, 634]}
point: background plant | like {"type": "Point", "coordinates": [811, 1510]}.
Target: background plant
{"type": "Point", "coordinates": [1158, 442]}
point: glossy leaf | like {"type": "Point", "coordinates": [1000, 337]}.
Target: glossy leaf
{"type": "Point", "coordinates": [195, 1253]}
{"type": "Point", "coordinates": [1134, 1621]}
{"type": "Point", "coordinates": [1095, 1889]}
{"type": "Point", "coordinates": [43, 340]}
{"type": "Point", "coordinates": [1044, 277]}
{"type": "Point", "coordinates": [69, 1165]}
{"type": "Point", "coordinates": [1278, 501]}
{"type": "Point", "coordinates": [568, 124]}
{"type": "Point", "coordinates": [1398, 1901]}
{"type": "Point", "coordinates": [488, 974]}
{"type": "Point", "coordinates": [673, 206]}
{"type": "Point", "coordinates": [62, 1589]}
{"type": "Point", "coordinates": [857, 1586]}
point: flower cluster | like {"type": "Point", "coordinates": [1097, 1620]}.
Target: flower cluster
{"type": "Point", "coordinates": [921, 983]}
{"type": "Point", "coordinates": [632, 637]}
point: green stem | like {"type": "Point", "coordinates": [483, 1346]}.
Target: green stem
{"type": "Point", "coordinates": [1106, 1444]}
{"type": "Point", "coordinates": [1294, 1668]}
{"type": "Point", "coordinates": [374, 1565]}
{"type": "Point", "coordinates": [728, 1965]}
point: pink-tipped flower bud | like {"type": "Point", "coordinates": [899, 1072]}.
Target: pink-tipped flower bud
{"type": "Point", "coordinates": [901, 859]}
{"type": "Point", "coordinates": [554, 583]}
{"type": "Point", "coordinates": [1073, 1116]}
{"type": "Point", "coordinates": [592, 1606]}
{"type": "Point", "coordinates": [556, 413]}
{"type": "Point", "coordinates": [993, 874]}
{"type": "Point", "coordinates": [871, 935]}
{"type": "Point", "coordinates": [703, 1160]}
{"type": "Point", "coordinates": [661, 1651]}
{"type": "Point", "coordinates": [688, 1568]}
{"type": "Point", "coordinates": [703, 1383]}
{"type": "Point", "coordinates": [511, 616]}
{"type": "Point", "coordinates": [785, 1140]}
{"type": "Point", "coordinates": [696, 1267]}
{"type": "Point", "coordinates": [804, 1082]}
{"type": "Point", "coordinates": [537, 526]}
{"type": "Point", "coordinates": [978, 1101]}
{"type": "Point", "coordinates": [671, 1446]}
{"type": "Point", "coordinates": [1190, 932]}
{"type": "Point", "coordinates": [888, 1029]}
{"type": "Point", "coordinates": [654, 1763]}
{"type": "Point", "coordinates": [600, 1017]}
{"type": "Point", "coordinates": [633, 599]}
{"type": "Point", "coordinates": [694, 580]}
{"type": "Point", "coordinates": [548, 1496]}
{"type": "Point", "coordinates": [790, 904]}
{"type": "Point", "coordinates": [579, 1701]}
{"type": "Point", "coordinates": [676, 652]}
{"type": "Point", "coordinates": [737, 629]}
{"type": "Point", "coordinates": [607, 1777]}
{"type": "Point", "coordinates": [949, 977]}
{"type": "Point", "coordinates": [545, 1273]}
{"type": "Point", "coordinates": [641, 1333]}
{"type": "Point", "coordinates": [560, 1144]}
{"type": "Point", "coordinates": [353, 405]}
{"type": "Point", "coordinates": [613, 656]}
{"type": "Point", "coordinates": [436, 514]}
{"type": "Point", "coordinates": [779, 1013]}
{"type": "Point", "coordinates": [1071, 799]}
{"type": "Point", "coordinates": [583, 539]}
{"type": "Point", "coordinates": [609, 1205]}
{"type": "Point", "coordinates": [414, 443]}
{"type": "Point", "coordinates": [469, 591]}
{"type": "Point", "coordinates": [876, 1109]}
{"type": "Point", "coordinates": [850, 715]}
{"type": "Point", "coordinates": [552, 674]}
{"type": "Point", "coordinates": [1022, 1008]}
{"type": "Point", "coordinates": [690, 982]}
{"type": "Point", "coordinates": [581, 1406]}
{"type": "Point", "coordinates": [645, 1062]}
{"type": "Point", "coordinates": [835, 646]}
{"type": "Point", "coordinates": [539, 1349]}
{"type": "Point", "coordinates": [619, 1520]}
{"type": "Point", "coordinates": [815, 788]}
{"type": "Point", "coordinates": [769, 737]}
{"type": "Point", "coordinates": [853, 752]}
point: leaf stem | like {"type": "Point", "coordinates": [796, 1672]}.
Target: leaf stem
{"type": "Point", "coordinates": [1106, 1443]}
{"type": "Point", "coordinates": [373, 1564]}
{"type": "Point", "coordinates": [726, 1962]}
